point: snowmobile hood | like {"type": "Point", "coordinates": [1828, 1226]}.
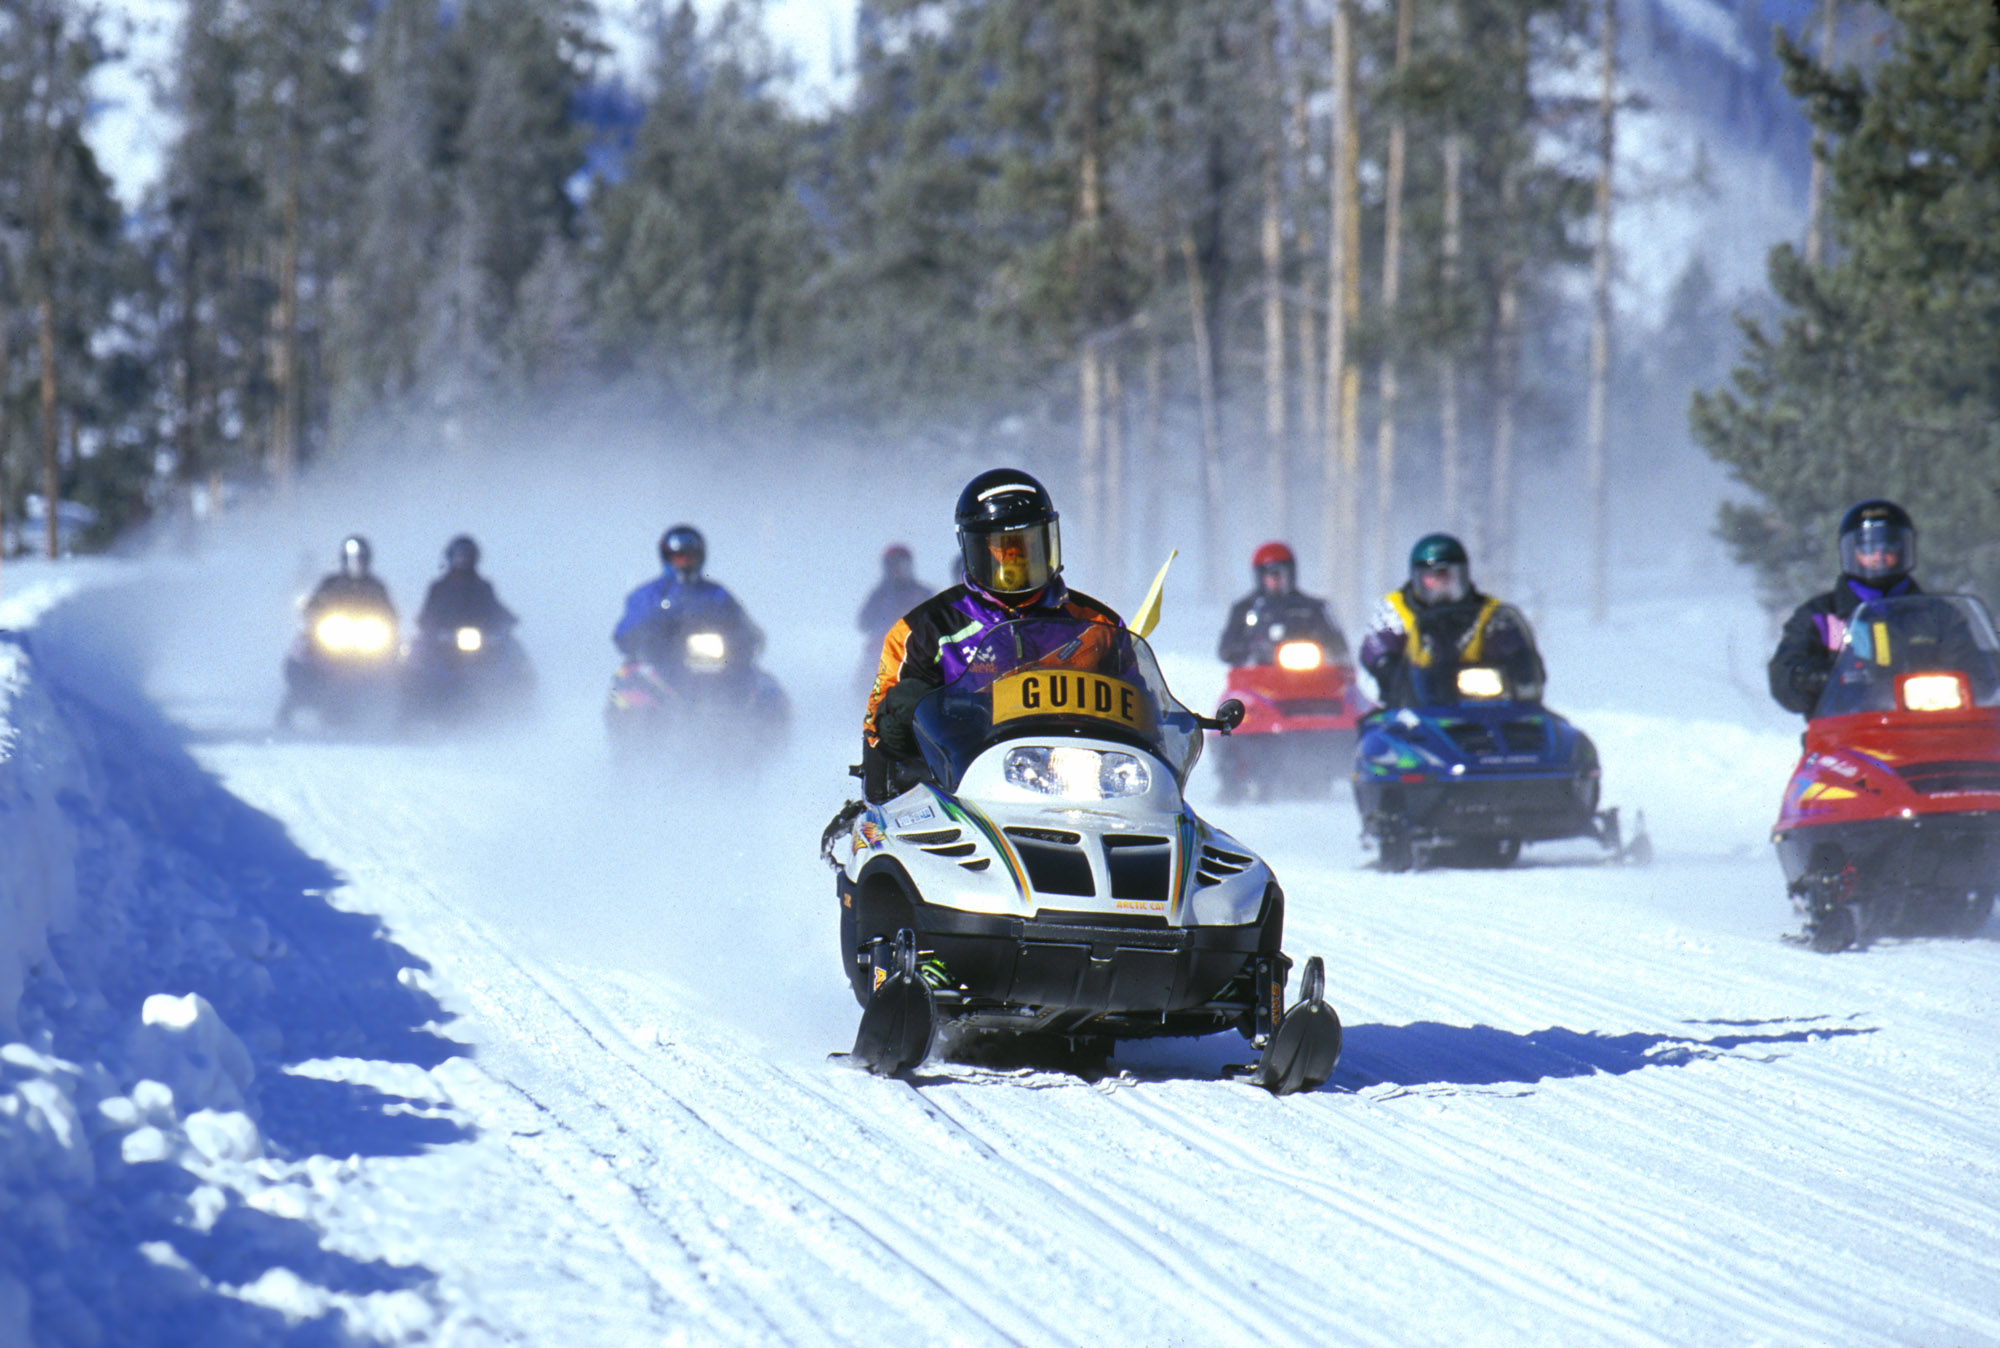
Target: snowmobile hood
{"type": "Point", "coordinates": [1884, 765]}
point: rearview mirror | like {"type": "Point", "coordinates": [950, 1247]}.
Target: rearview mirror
{"type": "Point", "coordinates": [1229, 715]}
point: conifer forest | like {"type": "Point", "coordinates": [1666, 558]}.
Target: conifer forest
{"type": "Point", "coordinates": [1313, 268]}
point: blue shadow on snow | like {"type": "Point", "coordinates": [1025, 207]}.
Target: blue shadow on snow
{"type": "Point", "coordinates": [299, 980]}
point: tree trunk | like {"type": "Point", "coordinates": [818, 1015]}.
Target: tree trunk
{"type": "Point", "coordinates": [1153, 495]}
{"type": "Point", "coordinates": [1115, 550]}
{"type": "Point", "coordinates": [1343, 459]}
{"type": "Point", "coordinates": [51, 467]}
{"type": "Point", "coordinates": [1451, 471]}
{"type": "Point", "coordinates": [46, 306]}
{"type": "Point", "coordinates": [1506, 381]}
{"type": "Point", "coordinates": [1271, 238]}
{"type": "Point", "coordinates": [1089, 213]}
{"type": "Point", "coordinates": [1816, 185]}
{"type": "Point", "coordinates": [1392, 285]}
{"type": "Point", "coordinates": [1211, 426]}
{"type": "Point", "coordinates": [1307, 321]}
{"type": "Point", "coordinates": [285, 436]}
{"type": "Point", "coordinates": [1595, 480]}
{"type": "Point", "coordinates": [6, 433]}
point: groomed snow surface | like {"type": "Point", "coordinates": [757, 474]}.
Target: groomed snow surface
{"type": "Point", "coordinates": [474, 1041]}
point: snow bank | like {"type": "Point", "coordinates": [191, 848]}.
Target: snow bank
{"type": "Point", "coordinates": [141, 1029]}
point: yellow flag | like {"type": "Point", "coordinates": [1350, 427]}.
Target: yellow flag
{"type": "Point", "coordinates": [1148, 617]}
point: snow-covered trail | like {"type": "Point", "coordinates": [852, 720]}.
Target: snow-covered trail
{"type": "Point", "coordinates": [1578, 1103]}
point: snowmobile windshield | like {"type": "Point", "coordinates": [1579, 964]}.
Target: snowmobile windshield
{"type": "Point", "coordinates": [1051, 677]}
{"type": "Point", "coordinates": [1915, 652]}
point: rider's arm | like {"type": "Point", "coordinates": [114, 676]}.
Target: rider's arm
{"type": "Point", "coordinates": [640, 607]}
{"type": "Point", "coordinates": [1383, 644]}
{"type": "Point", "coordinates": [1802, 663]}
{"type": "Point", "coordinates": [1234, 648]}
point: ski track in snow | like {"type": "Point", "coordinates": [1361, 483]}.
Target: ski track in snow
{"type": "Point", "coordinates": [1578, 1104]}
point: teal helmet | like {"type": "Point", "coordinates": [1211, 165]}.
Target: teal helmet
{"type": "Point", "coordinates": [1438, 550]}
{"type": "Point", "coordinates": [1440, 572]}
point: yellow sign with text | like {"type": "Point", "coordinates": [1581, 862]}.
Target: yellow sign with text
{"type": "Point", "coordinates": [1068, 692]}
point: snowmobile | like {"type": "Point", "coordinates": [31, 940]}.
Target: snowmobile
{"type": "Point", "coordinates": [1301, 706]}
{"type": "Point", "coordinates": [456, 675]}
{"type": "Point", "coordinates": [1047, 882]}
{"type": "Point", "coordinates": [696, 692]}
{"type": "Point", "coordinates": [343, 667]}
{"type": "Point", "coordinates": [1891, 822]}
{"type": "Point", "coordinates": [1476, 768]}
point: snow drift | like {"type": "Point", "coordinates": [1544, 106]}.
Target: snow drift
{"type": "Point", "coordinates": [149, 1009]}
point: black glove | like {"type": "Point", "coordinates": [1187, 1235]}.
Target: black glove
{"type": "Point", "coordinates": [1809, 681]}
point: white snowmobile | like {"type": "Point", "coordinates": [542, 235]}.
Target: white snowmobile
{"type": "Point", "coordinates": [1050, 880]}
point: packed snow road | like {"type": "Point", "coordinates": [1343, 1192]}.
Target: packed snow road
{"type": "Point", "coordinates": [1578, 1104]}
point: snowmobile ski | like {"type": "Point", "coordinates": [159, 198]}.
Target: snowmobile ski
{"type": "Point", "coordinates": [899, 1024]}
{"type": "Point", "coordinates": [1305, 1046]}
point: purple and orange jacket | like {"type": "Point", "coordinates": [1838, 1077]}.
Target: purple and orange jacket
{"type": "Point", "coordinates": [930, 646]}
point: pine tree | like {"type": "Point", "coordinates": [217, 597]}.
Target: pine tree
{"type": "Point", "coordinates": [1882, 378]}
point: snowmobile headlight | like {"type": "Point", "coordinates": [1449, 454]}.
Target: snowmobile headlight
{"type": "Point", "coordinates": [1934, 692]}
{"type": "Point", "coordinates": [1299, 655]}
{"type": "Point", "coordinates": [470, 639]}
{"type": "Point", "coordinates": [706, 650]}
{"type": "Point", "coordinates": [1480, 681]}
{"type": "Point", "coordinates": [1078, 774]}
{"type": "Point", "coordinates": [353, 633]}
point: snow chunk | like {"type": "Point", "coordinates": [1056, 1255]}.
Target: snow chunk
{"type": "Point", "coordinates": [142, 1146]}
{"type": "Point", "coordinates": [285, 1292]}
{"type": "Point", "coordinates": [183, 1043]}
{"type": "Point", "coordinates": [222, 1136]}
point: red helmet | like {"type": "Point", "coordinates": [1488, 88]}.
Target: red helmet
{"type": "Point", "coordinates": [1276, 570]}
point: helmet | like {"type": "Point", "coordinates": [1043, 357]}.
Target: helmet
{"type": "Point", "coordinates": [897, 562]}
{"type": "Point", "coordinates": [1275, 567]}
{"type": "Point", "coordinates": [1878, 543]}
{"type": "Point", "coordinates": [355, 555]}
{"type": "Point", "coordinates": [1008, 534]}
{"type": "Point", "coordinates": [462, 553]}
{"type": "Point", "coordinates": [683, 549]}
{"type": "Point", "coordinates": [1440, 572]}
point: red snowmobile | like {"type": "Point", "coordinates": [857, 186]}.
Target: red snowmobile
{"type": "Point", "coordinates": [1891, 823]}
{"type": "Point", "coordinates": [1300, 709]}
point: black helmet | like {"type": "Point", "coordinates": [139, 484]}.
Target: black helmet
{"type": "Point", "coordinates": [1008, 536]}
{"type": "Point", "coordinates": [461, 553]}
{"type": "Point", "coordinates": [682, 549]}
{"type": "Point", "coordinates": [355, 555]}
{"type": "Point", "coordinates": [1878, 543]}
{"type": "Point", "coordinates": [1440, 572]}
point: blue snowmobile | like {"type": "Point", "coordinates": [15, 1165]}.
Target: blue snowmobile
{"type": "Point", "coordinates": [1471, 765]}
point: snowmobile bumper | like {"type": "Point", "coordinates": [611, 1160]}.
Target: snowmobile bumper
{"type": "Point", "coordinates": [1535, 808]}
{"type": "Point", "coordinates": [1116, 973]}
{"type": "Point", "coordinates": [1951, 854]}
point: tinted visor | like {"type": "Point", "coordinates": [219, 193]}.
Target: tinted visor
{"type": "Point", "coordinates": [1445, 583]}
{"type": "Point", "coordinates": [1277, 577]}
{"type": "Point", "coordinates": [1012, 561]}
{"type": "Point", "coordinates": [1878, 550]}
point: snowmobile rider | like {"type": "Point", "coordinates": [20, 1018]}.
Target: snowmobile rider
{"type": "Point", "coordinates": [461, 597]}
{"type": "Point", "coordinates": [1276, 607]}
{"type": "Point", "coordinates": [1438, 618]}
{"type": "Point", "coordinates": [895, 594]}
{"type": "Point", "coordinates": [353, 585]}
{"type": "Point", "coordinates": [662, 613]}
{"type": "Point", "coordinates": [1878, 551]}
{"type": "Point", "coordinates": [1011, 545]}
